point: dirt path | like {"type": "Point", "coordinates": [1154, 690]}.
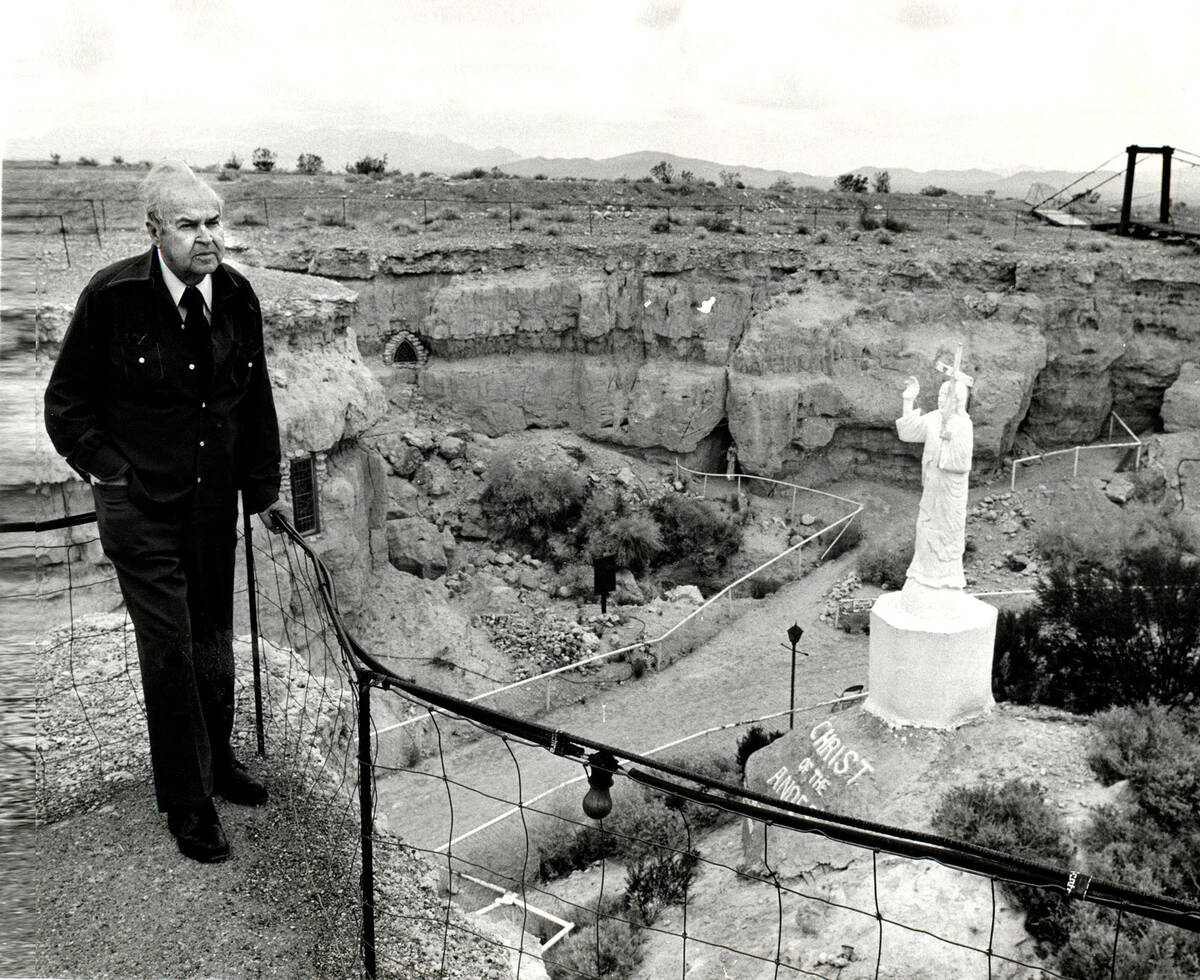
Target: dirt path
{"type": "Point", "coordinates": [741, 673]}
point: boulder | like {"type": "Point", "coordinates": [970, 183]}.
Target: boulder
{"type": "Point", "coordinates": [418, 547]}
{"type": "Point", "coordinates": [1119, 489]}
{"type": "Point", "coordinates": [1181, 403]}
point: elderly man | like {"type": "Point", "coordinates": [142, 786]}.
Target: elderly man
{"type": "Point", "coordinates": [160, 399]}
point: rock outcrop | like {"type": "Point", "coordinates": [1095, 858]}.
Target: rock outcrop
{"type": "Point", "coordinates": [797, 355]}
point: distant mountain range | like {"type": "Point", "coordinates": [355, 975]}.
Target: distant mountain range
{"type": "Point", "coordinates": [414, 152]}
{"type": "Point", "coordinates": [1185, 181]}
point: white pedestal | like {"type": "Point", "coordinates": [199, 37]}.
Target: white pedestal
{"type": "Point", "coordinates": [931, 672]}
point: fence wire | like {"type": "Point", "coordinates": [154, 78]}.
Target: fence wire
{"type": "Point", "coordinates": [679, 867]}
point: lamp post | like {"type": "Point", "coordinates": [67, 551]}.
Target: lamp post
{"type": "Point", "coordinates": [793, 634]}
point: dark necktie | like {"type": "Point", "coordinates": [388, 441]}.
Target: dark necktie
{"type": "Point", "coordinates": [196, 335]}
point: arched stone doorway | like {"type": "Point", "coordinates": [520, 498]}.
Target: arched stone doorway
{"type": "Point", "coordinates": [404, 349]}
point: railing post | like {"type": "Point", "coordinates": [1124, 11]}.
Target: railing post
{"type": "Point", "coordinates": [252, 603]}
{"type": "Point", "coordinates": [1075, 467]}
{"type": "Point", "coordinates": [96, 222]}
{"type": "Point", "coordinates": [793, 505]}
{"type": "Point", "coordinates": [510, 215]}
{"type": "Point", "coordinates": [366, 820]}
{"type": "Point", "coordinates": [63, 228]}
{"type": "Point", "coordinates": [1013, 486]}
{"type": "Point", "coordinates": [343, 212]}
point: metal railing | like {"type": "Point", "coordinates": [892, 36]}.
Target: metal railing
{"type": "Point", "coordinates": [1074, 451]}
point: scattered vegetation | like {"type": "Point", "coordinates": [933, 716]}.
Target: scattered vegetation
{"type": "Point", "coordinates": [368, 165]}
{"type": "Point", "coordinates": [1016, 819]}
{"type": "Point", "coordinates": [885, 563]}
{"type": "Point", "coordinates": [882, 182]}
{"type": "Point", "coordinates": [932, 190]}
{"type": "Point", "coordinates": [309, 163]}
{"type": "Point", "coordinates": [851, 183]}
{"type": "Point", "coordinates": [263, 159]}
{"type": "Point", "coordinates": [754, 739]}
{"type": "Point", "coordinates": [1114, 622]}
{"type": "Point", "coordinates": [532, 502]}
{"type": "Point", "coordinates": [663, 172]}
{"type": "Point", "coordinates": [233, 163]}
{"type": "Point", "coordinates": [715, 221]}
{"type": "Point", "coordinates": [87, 162]}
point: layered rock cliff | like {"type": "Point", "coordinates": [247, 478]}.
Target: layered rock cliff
{"type": "Point", "coordinates": [796, 355]}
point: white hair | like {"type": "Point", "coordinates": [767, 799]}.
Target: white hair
{"type": "Point", "coordinates": [166, 179]}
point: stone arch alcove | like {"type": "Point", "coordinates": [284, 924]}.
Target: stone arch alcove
{"type": "Point", "coordinates": [405, 349]}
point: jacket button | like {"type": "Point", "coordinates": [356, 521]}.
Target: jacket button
{"type": "Point", "coordinates": [197, 479]}
{"type": "Point", "coordinates": [141, 360]}
{"type": "Point", "coordinates": [201, 443]}
{"type": "Point", "coordinates": [191, 367]}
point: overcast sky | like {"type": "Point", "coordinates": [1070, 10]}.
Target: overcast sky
{"type": "Point", "coordinates": [799, 85]}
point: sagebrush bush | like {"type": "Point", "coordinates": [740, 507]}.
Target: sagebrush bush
{"type": "Point", "coordinates": [618, 526]}
{"type": "Point", "coordinates": [653, 883]}
{"type": "Point", "coordinates": [715, 222]}
{"type": "Point", "coordinates": [885, 563]}
{"type": "Point", "coordinates": [614, 955]}
{"type": "Point", "coordinates": [1150, 843]}
{"type": "Point", "coordinates": [1121, 635]}
{"type": "Point", "coordinates": [695, 530]}
{"type": "Point", "coordinates": [1014, 818]}
{"type": "Point", "coordinates": [531, 503]}
{"type": "Point", "coordinates": [838, 540]}
{"type": "Point", "coordinates": [1018, 669]}
{"type": "Point", "coordinates": [660, 225]}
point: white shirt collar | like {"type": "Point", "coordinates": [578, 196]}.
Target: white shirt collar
{"type": "Point", "coordinates": [176, 286]}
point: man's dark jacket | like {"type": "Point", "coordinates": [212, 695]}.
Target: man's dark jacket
{"type": "Point", "coordinates": [128, 395]}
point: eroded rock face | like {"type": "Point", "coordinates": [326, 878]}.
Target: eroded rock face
{"type": "Point", "coordinates": [802, 352]}
{"type": "Point", "coordinates": [1181, 403]}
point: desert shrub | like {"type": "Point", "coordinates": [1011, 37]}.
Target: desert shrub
{"type": "Point", "coordinates": [263, 159]}
{"type": "Point", "coordinates": [896, 225]}
{"type": "Point", "coordinates": [855, 235]}
{"type": "Point", "coordinates": [1004, 245]}
{"type": "Point", "coordinates": [475, 173]}
{"type": "Point", "coordinates": [531, 503]}
{"type": "Point", "coordinates": [883, 238]}
{"type": "Point", "coordinates": [695, 530]}
{"type": "Point", "coordinates": [885, 563]}
{"type": "Point", "coordinates": [370, 166]}
{"type": "Point", "coordinates": [330, 219]}
{"type": "Point", "coordinates": [614, 956]}
{"type": "Point", "coordinates": [615, 526]}
{"type": "Point", "coordinates": [448, 214]}
{"type": "Point", "coordinates": [802, 229]}
{"type": "Point", "coordinates": [660, 225]}
{"type": "Point", "coordinates": [932, 190]}
{"type": "Point", "coordinates": [1158, 751]}
{"type": "Point", "coordinates": [404, 227]}
{"type": "Point", "coordinates": [226, 175]}
{"type": "Point", "coordinates": [821, 238]}
{"type": "Point", "coordinates": [309, 163]}
{"type": "Point", "coordinates": [1018, 670]}
{"type": "Point", "coordinates": [1014, 818]}
{"type": "Point", "coordinates": [529, 224]}
{"type": "Point", "coordinates": [715, 222]}
{"type": "Point", "coordinates": [867, 221]}
{"type": "Point", "coordinates": [975, 229]}
{"type": "Point", "coordinates": [851, 183]}
{"type": "Point", "coordinates": [754, 739]}
{"type": "Point", "coordinates": [565, 217]}
{"type": "Point", "coordinates": [655, 882]}
{"type": "Point", "coordinates": [762, 586]}
{"type": "Point", "coordinates": [882, 182]}
{"type": "Point", "coordinates": [87, 162]}
{"type": "Point", "coordinates": [249, 218]}
{"type": "Point", "coordinates": [840, 539]}
{"type": "Point", "coordinates": [1097, 246]}
{"type": "Point", "coordinates": [1151, 844]}
{"type": "Point", "coordinates": [1121, 635]}
{"type": "Point", "coordinates": [951, 235]}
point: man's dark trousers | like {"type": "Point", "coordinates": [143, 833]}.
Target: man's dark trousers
{"type": "Point", "coordinates": [176, 574]}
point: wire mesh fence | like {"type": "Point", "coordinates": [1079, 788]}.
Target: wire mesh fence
{"type": "Point", "coordinates": [671, 865]}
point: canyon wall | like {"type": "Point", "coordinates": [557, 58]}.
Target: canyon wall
{"type": "Point", "coordinates": [797, 355]}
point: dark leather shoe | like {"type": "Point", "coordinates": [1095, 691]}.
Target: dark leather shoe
{"type": "Point", "coordinates": [197, 831]}
{"type": "Point", "coordinates": [236, 785]}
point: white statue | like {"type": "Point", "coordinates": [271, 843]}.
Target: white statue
{"type": "Point", "coordinates": [945, 467]}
